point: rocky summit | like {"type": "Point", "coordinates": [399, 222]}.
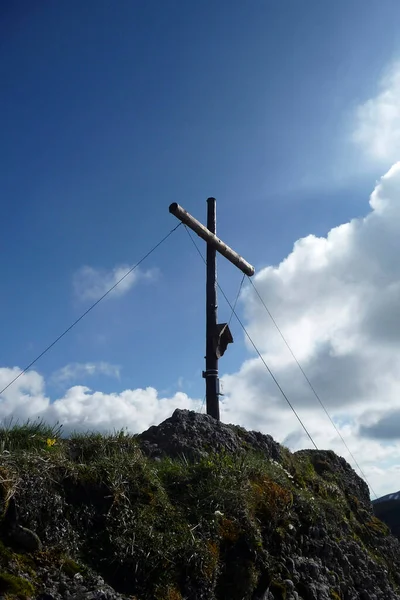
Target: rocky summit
{"type": "Point", "coordinates": [190, 509]}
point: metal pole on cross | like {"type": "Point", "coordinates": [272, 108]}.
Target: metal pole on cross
{"type": "Point", "coordinates": [218, 336]}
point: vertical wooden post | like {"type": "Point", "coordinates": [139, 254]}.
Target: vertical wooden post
{"type": "Point", "coordinates": [211, 372]}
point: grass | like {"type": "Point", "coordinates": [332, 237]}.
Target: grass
{"type": "Point", "coordinates": [170, 528]}
{"type": "Point", "coordinates": [31, 435]}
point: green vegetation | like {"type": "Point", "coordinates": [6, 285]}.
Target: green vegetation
{"type": "Point", "coordinates": [164, 529]}
{"type": "Point", "coordinates": [278, 590]}
{"type": "Point", "coordinates": [32, 435]}
{"type": "Point", "coordinates": [15, 586]}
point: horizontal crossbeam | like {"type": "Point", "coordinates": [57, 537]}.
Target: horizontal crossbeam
{"type": "Point", "coordinates": [211, 239]}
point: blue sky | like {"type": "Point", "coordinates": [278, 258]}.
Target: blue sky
{"type": "Point", "coordinates": [111, 111]}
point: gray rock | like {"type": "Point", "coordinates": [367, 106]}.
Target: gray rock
{"type": "Point", "coordinates": [193, 435]}
{"type": "Point", "coordinates": [288, 583]}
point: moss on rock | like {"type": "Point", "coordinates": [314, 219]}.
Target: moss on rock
{"type": "Point", "coordinates": [13, 586]}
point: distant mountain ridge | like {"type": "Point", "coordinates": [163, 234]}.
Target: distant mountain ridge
{"type": "Point", "coordinates": [387, 509]}
{"type": "Point", "coordinates": [393, 496]}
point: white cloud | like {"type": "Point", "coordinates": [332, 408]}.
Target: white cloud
{"type": "Point", "coordinates": [74, 372]}
{"type": "Point", "coordinates": [377, 128]}
{"type": "Point", "coordinates": [81, 408]}
{"type": "Point", "coordinates": [337, 301]}
{"type": "Point", "coordinates": [25, 398]}
{"type": "Point", "coordinates": [90, 283]}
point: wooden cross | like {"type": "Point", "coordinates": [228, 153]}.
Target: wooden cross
{"type": "Point", "coordinates": [218, 336]}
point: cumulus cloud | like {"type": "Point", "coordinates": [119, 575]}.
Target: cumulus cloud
{"type": "Point", "coordinates": [377, 128]}
{"type": "Point", "coordinates": [387, 427]}
{"type": "Point", "coordinates": [82, 409]}
{"type": "Point", "coordinates": [25, 398]}
{"type": "Point", "coordinates": [77, 371]}
{"type": "Point", "coordinates": [90, 283]}
{"type": "Point", "coordinates": [337, 302]}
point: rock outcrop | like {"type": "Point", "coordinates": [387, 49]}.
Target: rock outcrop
{"type": "Point", "coordinates": [194, 509]}
{"type": "Point", "coordinates": [195, 436]}
{"type": "Point", "coordinates": [21, 538]}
